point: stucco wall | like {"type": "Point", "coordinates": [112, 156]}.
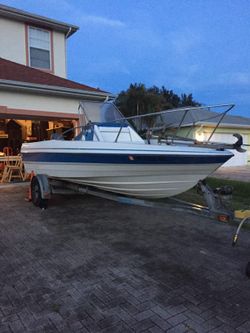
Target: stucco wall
{"type": "Point", "coordinates": [59, 54]}
{"type": "Point", "coordinates": [202, 133]}
{"type": "Point", "coordinates": [47, 106]}
{"type": "Point", "coordinates": [39, 102]}
{"type": "Point", "coordinates": [13, 45]}
{"type": "Point", "coordinates": [244, 132]}
{"type": "Point", "coordinates": [12, 37]}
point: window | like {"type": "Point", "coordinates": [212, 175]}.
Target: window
{"type": "Point", "coordinates": [39, 48]}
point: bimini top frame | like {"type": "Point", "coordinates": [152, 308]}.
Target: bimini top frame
{"type": "Point", "coordinates": [111, 114]}
{"type": "Point", "coordinates": [185, 111]}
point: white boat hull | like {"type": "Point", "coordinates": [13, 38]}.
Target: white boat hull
{"type": "Point", "coordinates": [157, 182]}
{"type": "Point", "coordinates": [133, 178]}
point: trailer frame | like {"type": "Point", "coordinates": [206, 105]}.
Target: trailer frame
{"type": "Point", "coordinates": [43, 187]}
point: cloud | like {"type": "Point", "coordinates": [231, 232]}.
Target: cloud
{"type": "Point", "coordinates": [183, 41]}
{"type": "Point", "coordinates": [183, 77]}
{"type": "Point", "coordinates": [234, 78]}
{"type": "Point", "coordinates": [100, 20]}
{"type": "Point", "coordinates": [192, 80]}
{"type": "Point", "coordinates": [106, 66]}
{"type": "Point", "coordinates": [72, 11]}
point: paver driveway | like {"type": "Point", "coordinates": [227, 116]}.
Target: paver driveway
{"type": "Point", "coordinates": [241, 173]}
{"type": "Point", "coordinates": [91, 265]}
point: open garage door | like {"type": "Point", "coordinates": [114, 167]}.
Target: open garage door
{"type": "Point", "coordinates": [25, 125]}
{"type": "Point", "coordinates": [23, 114]}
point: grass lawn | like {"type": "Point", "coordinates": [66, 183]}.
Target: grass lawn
{"type": "Point", "coordinates": [241, 193]}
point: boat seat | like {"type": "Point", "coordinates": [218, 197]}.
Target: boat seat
{"type": "Point", "coordinates": [89, 134]}
{"type": "Point", "coordinates": [56, 136]}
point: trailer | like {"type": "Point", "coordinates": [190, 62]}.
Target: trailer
{"type": "Point", "coordinates": [218, 201]}
{"type": "Point", "coordinates": [43, 187]}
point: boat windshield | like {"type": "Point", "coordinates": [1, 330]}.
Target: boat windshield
{"type": "Point", "coordinates": [105, 112]}
{"type": "Point", "coordinates": [110, 113]}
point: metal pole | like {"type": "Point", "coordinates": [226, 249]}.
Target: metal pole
{"type": "Point", "coordinates": [222, 117]}
{"type": "Point", "coordinates": [182, 119]}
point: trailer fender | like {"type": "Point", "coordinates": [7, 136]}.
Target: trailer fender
{"type": "Point", "coordinates": [40, 191]}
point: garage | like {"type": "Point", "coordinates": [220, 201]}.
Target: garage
{"type": "Point", "coordinates": [33, 109]}
{"type": "Point", "coordinates": [36, 97]}
{"type": "Point", "coordinates": [239, 159]}
{"type": "Point", "coordinates": [201, 123]}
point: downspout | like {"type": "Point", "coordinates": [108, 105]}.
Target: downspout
{"type": "Point", "coordinates": [65, 47]}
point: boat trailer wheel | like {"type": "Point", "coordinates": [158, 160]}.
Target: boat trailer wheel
{"type": "Point", "coordinates": [36, 194]}
{"type": "Point", "coordinates": [248, 269]}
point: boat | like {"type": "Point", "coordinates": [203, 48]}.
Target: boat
{"type": "Point", "coordinates": [110, 155]}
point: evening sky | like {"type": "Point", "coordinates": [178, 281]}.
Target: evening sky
{"type": "Point", "coordinates": [189, 46]}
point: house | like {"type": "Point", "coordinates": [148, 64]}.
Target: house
{"type": "Point", "coordinates": [199, 124]}
{"type": "Point", "coordinates": [35, 94]}
{"type": "Point", "coordinates": [33, 40]}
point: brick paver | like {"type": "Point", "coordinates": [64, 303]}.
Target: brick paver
{"type": "Point", "coordinates": [241, 173]}
{"type": "Point", "coordinates": [91, 265]}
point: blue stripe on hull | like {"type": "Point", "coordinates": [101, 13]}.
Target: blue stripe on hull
{"type": "Point", "coordinates": [124, 158]}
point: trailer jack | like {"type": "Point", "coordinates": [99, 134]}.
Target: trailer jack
{"type": "Point", "coordinates": [217, 200]}
{"type": "Point", "coordinates": [245, 217]}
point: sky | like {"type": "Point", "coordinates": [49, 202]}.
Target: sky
{"type": "Point", "coordinates": [189, 46]}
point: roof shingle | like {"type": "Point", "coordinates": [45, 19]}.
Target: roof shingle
{"type": "Point", "coordinates": [13, 71]}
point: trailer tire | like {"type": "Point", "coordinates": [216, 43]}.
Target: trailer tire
{"type": "Point", "coordinates": [248, 270]}
{"type": "Point", "coordinates": [36, 194]}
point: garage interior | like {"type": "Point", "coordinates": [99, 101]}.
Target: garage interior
{"type": "Point", "coordinates": [14, 132]}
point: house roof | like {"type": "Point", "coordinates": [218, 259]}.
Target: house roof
{"type": "Point", "coordinates": [206, 117]}
{"type": "Point", "coordinates": [26, 17]}
{"type": "Point", "coordinates": [13, 72]}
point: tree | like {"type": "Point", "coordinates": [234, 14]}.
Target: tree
{"type": "Point", "coordinates": [187, 100]}
{"type": "Point", "coordinates": [131, 102]}
{"type": "Point", "coordinates": [138, 99]}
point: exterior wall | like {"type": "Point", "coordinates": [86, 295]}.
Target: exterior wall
{"type": "Point", "coordinates": [59, 46]}
{"type": "Point", "coordinates": [244, 132]}
{"type": "Point", "coordinates": [12, 37]}
{"type": "Point", "coordinates": [187, 132]}
{"type": "Point", "coordinates": [202, 133]}
{"type": "Point", "coordinates": [46, 106]}
{"type": "Point", "coordinates": [27, 101]}
{"type": "Point", "coordinates": [13, 45]}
